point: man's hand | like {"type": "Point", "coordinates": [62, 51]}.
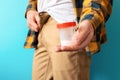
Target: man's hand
{"type": "Point", "coordinates": [33, 20]}
{"type": "Point", "coordinates": [81, 38]}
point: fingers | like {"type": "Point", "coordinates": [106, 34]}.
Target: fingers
{"type": "Point", "coordinates": [58, 48]}
{"type": "Point", "coordinates": [71, 47]}
{"type": "Point", "coordinates": [68, 48]}
{"type": "Point", "coordinates": [32, 25]}
{"type": "Point", "coordinates": [37, 18]}
{"type": "Point", "coordinates": [75, 47]}
{"type": "Point", "coordinates": [33, 20]}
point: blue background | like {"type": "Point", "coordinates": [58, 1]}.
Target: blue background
{"type": "Point", "coordinates": [16, 62]}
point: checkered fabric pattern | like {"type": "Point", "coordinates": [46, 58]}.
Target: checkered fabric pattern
{"type": "Point", "coordinates": [97, 11]}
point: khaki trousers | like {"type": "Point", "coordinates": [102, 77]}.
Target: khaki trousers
{"type": "Point", "coordinates": [51, 65]}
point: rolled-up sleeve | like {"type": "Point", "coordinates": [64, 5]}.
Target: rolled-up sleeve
{"type": "Point", "coordinates": [32, 5]}
{"type": "Point", "coordinates": [97, 11]}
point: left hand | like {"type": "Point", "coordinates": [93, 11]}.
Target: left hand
{"type": "Point", "coordinates": [81, 38]}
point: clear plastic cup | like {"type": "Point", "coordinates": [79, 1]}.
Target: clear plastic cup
{"type": "Point", "coordinates": [66, 31]}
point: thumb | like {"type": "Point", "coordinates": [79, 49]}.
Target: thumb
{"type": "Point", "coordinates": [58, 48]}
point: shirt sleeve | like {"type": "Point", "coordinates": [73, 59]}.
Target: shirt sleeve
{"type": "Point", "coordinates": [97, 11]}
{"type": "Point", "coordinates": [32, 5]}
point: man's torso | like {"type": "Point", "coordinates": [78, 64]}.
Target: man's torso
{"type": "Point", "coordinates": [60, 10]}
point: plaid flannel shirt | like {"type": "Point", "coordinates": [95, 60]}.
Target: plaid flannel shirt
{"type": "Point", "coordinates": [96, 11]}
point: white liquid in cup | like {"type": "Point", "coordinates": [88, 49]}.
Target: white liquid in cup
{"type": "Point", "coordinates": [66, 31]}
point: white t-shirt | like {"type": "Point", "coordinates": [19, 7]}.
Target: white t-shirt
{"type": "Point", "coordinates": [60, 10]}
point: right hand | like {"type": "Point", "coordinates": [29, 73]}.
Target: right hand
{"type": "Point", "coordinates": [33, 20]}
